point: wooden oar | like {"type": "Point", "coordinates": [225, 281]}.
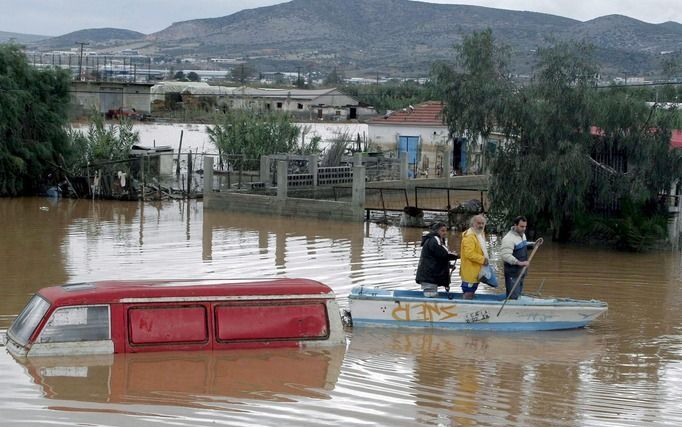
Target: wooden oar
{"type": "Point", "coordinates": [518, 279]}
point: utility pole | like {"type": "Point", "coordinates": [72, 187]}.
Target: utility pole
{"type": "Point", "coordinates": [80, 61]}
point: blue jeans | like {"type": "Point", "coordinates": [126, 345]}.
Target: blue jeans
{"type": "Point", "coordinates": [509, 280]}
{"type": "Point", "coordinates": [469, 287]}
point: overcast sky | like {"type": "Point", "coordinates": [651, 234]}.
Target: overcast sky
{"type": "Point", "coordinates": [57, 17]}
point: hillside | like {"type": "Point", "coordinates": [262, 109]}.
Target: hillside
{"type": "Point", "coordinates": [20, 38]}
{"type": "Point", "coordinates": [391, 37]}
{"type": "Point", "coordinates": [94, 36]}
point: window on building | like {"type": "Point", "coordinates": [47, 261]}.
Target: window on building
{"type": "Point", "coordinates": [279, 105]}
{"type": "Point", "coordinates": [300, 106]}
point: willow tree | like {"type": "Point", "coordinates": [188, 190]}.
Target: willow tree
{"type": "Point", "coordinates": [33, 116]}
{"type": "Point", "coordinates": [571, 147]}
{"type": "Point", "coordinates": [544, 171]}
{"type": "Point", "coordinates": [476, 90]}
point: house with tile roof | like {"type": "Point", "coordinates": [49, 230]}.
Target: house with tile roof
{"type": "Point", "coordinates": [420, 132]}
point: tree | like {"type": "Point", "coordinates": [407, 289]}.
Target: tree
{"type": "Point", "coordinates": [671, 66]}
{"type": "Point", "coordinates": [193, 76]}
{"type": "Point", "coordinates": [334, 78]}
{"type": "Point", "coordinates": [544, 170]}
{"type": "Point", "coordinates": [572, 150]}
{"type": "Point", "coordinates": [394, 95]}
{"type": "Point", "coordinates": [476, 90]}
{"type": "Point", "coordinates": [243, 72]}
{"type": "Point", "coordinates": [180, 76]}
{"type": "Point", "coordinates": [33, 115]}
{"type": "Point", "coordinates": [246, 135]}
{"type": "Point", "coordinates": [102, 142]}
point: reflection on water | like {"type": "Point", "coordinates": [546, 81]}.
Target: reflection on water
{"type": "Point", "coordinates": [625, 369]}
{"type": "Point", "coordinates": [187, 378]}
{"type": "Point", "coordinates": [466, 376]}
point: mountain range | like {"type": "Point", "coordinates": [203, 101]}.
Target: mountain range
{"type": "Point", "coordinates": [390, 37]}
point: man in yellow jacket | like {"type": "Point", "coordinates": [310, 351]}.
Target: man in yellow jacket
{"type": "Point", "coordinates": [474, 255]}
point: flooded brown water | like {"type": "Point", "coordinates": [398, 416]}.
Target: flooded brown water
{"type": "Point", "coordinates": [623, 370]}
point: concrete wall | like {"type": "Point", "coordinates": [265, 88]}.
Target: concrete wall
{"type": "Point", "coordinates": [309, 208]}
{"type": "Point", "coordinates": [283, 205]}
{"type": "Point", "coordinates": [88, 95]}
{"type": "Point", "coordinates": [433, 143]}
{"type": "Point", "coordinates": [349, 210]}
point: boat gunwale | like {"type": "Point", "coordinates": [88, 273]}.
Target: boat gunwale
{"type": "Point", "coordinates": [378, 294]}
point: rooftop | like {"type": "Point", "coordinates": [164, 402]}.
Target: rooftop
{"type": "Point", "coordinates": [429, 113]}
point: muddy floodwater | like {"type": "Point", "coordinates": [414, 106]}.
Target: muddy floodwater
{"type": "Point", "coordinates": [623, 370]}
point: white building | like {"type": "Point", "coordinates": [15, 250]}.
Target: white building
{"type": "Point", "coordinates": [321, 104]}
{"type": "Point", "coordinates": [420, 132]}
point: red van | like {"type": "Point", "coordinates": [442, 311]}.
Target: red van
{"type": "Point", "coordinates": [141, 316]}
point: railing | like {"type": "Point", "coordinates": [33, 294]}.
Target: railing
{"type": "Point", "coordinates": [451, 194]}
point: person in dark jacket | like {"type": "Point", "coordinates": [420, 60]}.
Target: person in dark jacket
{"type": "Point", "coordinates": [434, 262]}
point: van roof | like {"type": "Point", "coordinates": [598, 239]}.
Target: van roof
{"type": "Point", "coordinates": [113, 291]}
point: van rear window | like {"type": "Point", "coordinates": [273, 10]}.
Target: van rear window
{"type": "Point", "coordinates": [259, 322]}
{"type": "Point", "coordinates": [167, 325]}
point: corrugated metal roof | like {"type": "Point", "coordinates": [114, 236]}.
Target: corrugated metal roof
{"type": "Point", "coordinates": [203, 88]}
{"type": "Point", "coordinates": [308, 94]}
{"type": "Point", "coordinates": [429, 113]}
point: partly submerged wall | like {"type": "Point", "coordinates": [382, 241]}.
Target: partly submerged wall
{"type": "Point", "coordinates": [281, 204]}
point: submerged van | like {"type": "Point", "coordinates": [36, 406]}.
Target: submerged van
{"type": "Point", "coordinates": [109, 317]}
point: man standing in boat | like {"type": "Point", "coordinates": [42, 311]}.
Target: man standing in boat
{"type": "Point", "coordinates": [474, 255]}
{"type": "Point", "coordinates": [434, 263]}
{"type": "Point", "coordinates": [514, 252]}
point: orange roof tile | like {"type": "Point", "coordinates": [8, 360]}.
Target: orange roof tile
{"type": "Point", "coordinates": [429, 113]}
{"type": "Point", "coordinates": [675, 138]}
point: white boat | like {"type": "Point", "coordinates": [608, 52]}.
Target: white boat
{"type": "Point", "coordinates": [405, 308]}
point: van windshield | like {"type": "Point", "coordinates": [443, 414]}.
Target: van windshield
{"type": "Point", "coordinates": [28, 320]}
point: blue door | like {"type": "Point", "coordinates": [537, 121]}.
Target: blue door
{"type": "Point", "coordinates": [410, 145]}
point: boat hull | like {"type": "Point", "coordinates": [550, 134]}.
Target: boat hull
{"type": "Point", "coordinates": [400, 308]}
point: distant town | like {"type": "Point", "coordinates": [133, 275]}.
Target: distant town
{"type": "Point", "coordinates": [128, 65]}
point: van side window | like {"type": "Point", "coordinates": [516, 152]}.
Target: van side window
{"type": "Point", "coordinates": [258, 322]}
{"type": "Point", "coordinates": [167, 325]}
{"type": "Point", "coordinates": [73, 324]}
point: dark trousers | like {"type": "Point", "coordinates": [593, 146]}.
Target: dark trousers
{"type": "Point", "coordinates": [509, 280]}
